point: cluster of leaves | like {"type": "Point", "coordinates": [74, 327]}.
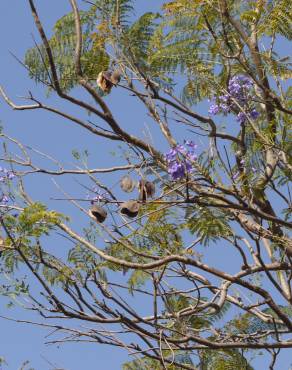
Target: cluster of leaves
{"type": "Point", "coordinates": [146, 363]}
{"type": "Point", "coordinates": [33, 221]}
{"type": "Point", "coordinates": [248, 323]}
{"type": "Point", "coordinates": [25, 229]}
{"type": "Point", "coordinates": [208, 224]}
{"type": "Point", "coordinates": [189, 39]}
{"type": "Point", "coordinates": [223, 360]}
{"type": "Point", "coordinates": [94, 58]}
{"type": "Point", "coordinates": [157, 46]}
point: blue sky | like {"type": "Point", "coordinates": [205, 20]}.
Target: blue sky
{"type": "Point", "coordinates": [57, 137]}
{"type": "Point", "coordinates": [20, 342]}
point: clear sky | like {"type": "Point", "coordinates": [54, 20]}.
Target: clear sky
{"type": "Point", "coordinates": [55, 136]}
{"type": "Point", "coordinates": [20, 342]}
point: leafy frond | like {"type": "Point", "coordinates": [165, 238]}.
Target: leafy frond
{"type": "Point", "coordinates": [93, 58]}
{"type": "Point", "coordinates": [209, 224]}
{"type": "Point", "coordinates": [137, 38]}
{"type": "Point", "coordinates": [277, 19]}
{"type": "Point", "coordinates": [115, 13]}
{"type": "Point", "coordinates": [223, 360]}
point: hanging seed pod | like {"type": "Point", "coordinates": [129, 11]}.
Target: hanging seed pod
{"type": "Point", "coordinates": [130, 208]}
{"type": "Point", "coordinates": [98, 213]}
{"type": "Point", "coordinates": [1, 245]}
{"type": "Point", "coordinates": [127, 184]}
{"type": "Point", "coordinates": [146, 190]}
{"type": "Point", "coordinates": [116, 77]}
{"type": "Point", "coordinates": [104, 81]}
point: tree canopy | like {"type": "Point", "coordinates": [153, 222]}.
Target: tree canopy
{"type": "Point", "coordinates": [209, 176]}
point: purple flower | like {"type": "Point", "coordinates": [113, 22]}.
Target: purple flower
{"type": "Point", "coordinates": [239, 87]}
{"type": "Point", "coordinates": [176, 170]}
{"type": "Point", "coordinates": [6, 174]}
{"type": "Point", "coordinates": [97, 198]}
{"type": "Point", "coordinates": [224, 98]}
{"type": "Point", "coordinates": [189, 167]}
{"type": "Point", "coordinates": [10, 175]}
{"type": "Point", "coordinates": [238, 95]}
{"type": "Point", "coordinates": [181, 149]}
{"type": "Point", "coordinates": [4, 199]}
{"type": "Point", "coordinates": [192, 156]}
{"type": "Point", "coordinates": [191, 144]}
{"type": "Point", "coordinates": [225, 108]}
{"type": "Point", "coordinates": [241, 80]}
{"type": "Point", "coordinates": [214, 109]}
{"type": "Point", "coordinates": [171, 155]}
{"type": "Point", "coordinates": [180, 158]}
{"type": "Point", "coordinates": [241, 117]}
{"type": "Point", "coordinates": [234, 88]}
{"type": "Point", "coordinates": [254, 114]}
{"type": "Point", "coordinates": [99, 194]}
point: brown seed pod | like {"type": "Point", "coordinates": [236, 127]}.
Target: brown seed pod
{"type": "Point", "coordinates": [98, 213]}
{"type": "Point", "coordinates": [104, 81]}
{"type": "Point", "coordinates": [116, 77]}
{"type": "Point", "coordinates": [127, 184]}
{"type": "Point", "coordinates": [1, 245]}
{"type": "Point", "coordinates": [130, 208]}
{"type": "Point", "coordinates": [146, 190]}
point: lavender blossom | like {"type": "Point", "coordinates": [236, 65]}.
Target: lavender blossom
{"type": "Point", "coordinates": [6, 174]}
{"type": "Point", "coordinates": [214, 109]}
{"type": "Point", "coordinates": [177, 171]}
{"type": "Point", "coordinates": [4, 199]}
{"type": "Point", "coordinates": [171, 155]}
{"type": "Point", "coordinates": [254, 114]}
{"type": "Point", "coordinates": [238, 95]}
{"type": "Point", "coordinates": [179, 159]}
{"type": "Point", "coordinates": [241, 117]}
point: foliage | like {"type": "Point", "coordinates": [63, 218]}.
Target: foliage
{"type": "Point", "coordinates": [213, 78]}
{"type": "Point", "coordinates": [94, 56]}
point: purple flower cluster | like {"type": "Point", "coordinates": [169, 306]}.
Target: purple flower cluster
{"type": "Point", "coordinates": [180, 159]}
{"type": "Point", "coordinates": [99, 195]}
{"type": "Point", "coordinates": [4, 199]}
{"type": "Point", "coordinates": [6, 174]}
{"type": "Point", "coordinates": [237, 99]}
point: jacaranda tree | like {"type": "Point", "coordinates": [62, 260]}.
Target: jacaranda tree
{"type": "Point", "coordinates": [142, 273]}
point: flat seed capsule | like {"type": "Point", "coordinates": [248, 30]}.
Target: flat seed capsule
{"type": "Point", "coordinates": [98, 213]}
{"type": "Point", "coordinates": [130, 208]}
{"type": "Point", "coordinates": [127, 184]}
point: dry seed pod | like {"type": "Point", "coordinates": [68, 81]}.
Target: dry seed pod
{"type": "Point", "coordinates": [116, 77]}
{"type": "Point", "coordinates": [104, 81]}
{"type": "Point", "coordinates": [98, 213]}
{"type": "Point", "coordinates": [130, 208]}
{"type": "Point", "coordinates": [127, 184]}
{"type": "Point", "coordinates": [146, 190]}
{"type": "Point", "coordinates": [1, 245]}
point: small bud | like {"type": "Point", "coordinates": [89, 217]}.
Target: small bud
{"type": "Point", "coordinates": [98, 213]}
{"type": "Point", "coordinates": [130, 208]}
{"type": "Point", "coordinates": [127, 184]}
